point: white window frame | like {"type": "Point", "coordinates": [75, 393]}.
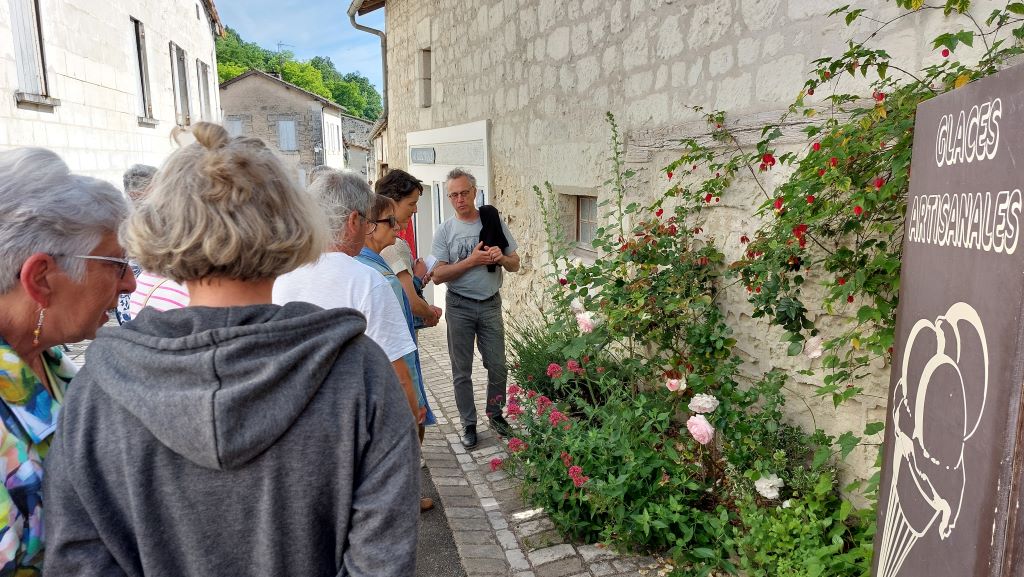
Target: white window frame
{"type": "Point", "coordinates": [142, 65]}
{"type": "Point", "coordinates": [29, 56]}
{"type": "Point", "coordinates": [203, 79]}
{"type": "Point", "coordinates": [179, 83]}
{"type": "Point", "coordinates": [586, 221]}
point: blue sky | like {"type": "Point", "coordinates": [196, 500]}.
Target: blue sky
{"type": "Point", "coordinates": [309, 28]}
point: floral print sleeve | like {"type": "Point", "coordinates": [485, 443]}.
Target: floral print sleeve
{"type": "Point", "coordinates": [28, 416]}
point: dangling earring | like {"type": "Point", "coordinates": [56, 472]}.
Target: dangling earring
{"type": "Point", "coordinates": [39, 327]}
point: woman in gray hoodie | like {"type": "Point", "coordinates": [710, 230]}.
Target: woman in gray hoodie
{"type": "Point", "coordinates": [232, 437]}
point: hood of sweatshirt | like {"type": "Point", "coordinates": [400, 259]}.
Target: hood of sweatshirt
{"type": "Point", "coordinates": [219, 386]}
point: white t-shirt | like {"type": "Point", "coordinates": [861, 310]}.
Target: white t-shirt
{"type": "Point", "coordinates": [338, 280]}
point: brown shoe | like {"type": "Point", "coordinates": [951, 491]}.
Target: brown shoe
{"type": "Point", "coordinates": [426, 504]}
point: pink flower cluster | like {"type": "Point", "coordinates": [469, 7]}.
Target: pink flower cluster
{"type": "Point", "coordinates": [554, 370]}
{"type": "Point", "coordinates": [557, 417]}
{"type": "Point", "coordinates": [513, 409]}
{"type": "Point", "coordinates": [575, 367]}
{"type": "Point", "coordinates": [516, 444]}
{"type": "Point", "coordinates": [542, 404]}
{"type": "Point", "coordinates": [577, 476]}
{"type": "Point", "coordinates": [566, 459]}
{"type": "Point", "coordinates": [496, 464]}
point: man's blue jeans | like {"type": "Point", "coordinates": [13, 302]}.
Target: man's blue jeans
{"type": "Point", "coordinates": [468, 322]}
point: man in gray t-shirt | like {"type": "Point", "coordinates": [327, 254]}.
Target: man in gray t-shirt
{"type": "Point", "coordinates": [473, 302]}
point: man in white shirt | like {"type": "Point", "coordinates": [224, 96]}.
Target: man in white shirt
{"type": "Point", "coordinates": [337, 280]}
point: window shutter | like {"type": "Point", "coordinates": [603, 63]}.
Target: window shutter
{"type": "Point", "coordinates": [28, 47]}
{"type": "Point", "coordinates": [286, 135]}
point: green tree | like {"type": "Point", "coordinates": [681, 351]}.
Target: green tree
{"type": "Point", "coordinates": [235, 56]}
{"type": "Point", "coordinates": [373, 108]}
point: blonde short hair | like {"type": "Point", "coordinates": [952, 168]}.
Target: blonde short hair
{"type": "Point", "coordinates": [224, 207]}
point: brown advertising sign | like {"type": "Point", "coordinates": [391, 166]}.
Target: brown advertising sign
{"type": "Point", "coordinates": [948, 498]}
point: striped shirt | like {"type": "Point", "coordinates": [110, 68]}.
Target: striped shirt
{"type": "Point", "coordinates": [153, 290]}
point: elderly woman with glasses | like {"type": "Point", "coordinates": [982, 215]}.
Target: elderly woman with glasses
{"type": "Point", "coordinates": [232, 436]}
{"type": "Point", "coordinates": [61, 270]}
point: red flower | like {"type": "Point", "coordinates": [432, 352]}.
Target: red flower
{"type": "Point", "coordinates": [945, 52]}
{"type": "Point", "coordinates": [577, 476]}
{"type": "Point", "coordinates": [563, 281]}
{"type": "Point", "coordinates": [821, 172]}
{"type": "Point", "coordinates": [542, 404]}
{"type": "Point", "coordinates": [849, 299]}
{"type": "Point", "coordinates": [810, 199]}
{"type": "Point", "coordinates": [757, 290]}
{"type": "Point", "coordinates": [878, 96]}
{"type": "Point", "coordinates": [707, 197]}
{"type": "Point", "coordinates": [566, 459]}
{"type": "Point", "coordinates": [768, 159]}
{"type": "Point", "coordinates": [554, 418]}
{"type": "Point", "coordinates": [833, 161]}
{"type": "Point", "coordinates": [669, 174]}
{"type": "Point", "coordinates": [515, 445]}
{"type": "Point", "coordinates": [531, 394]}
{"type": "Point", "coordinates": [857, 210]}
{"type": "Point", "coordinates": [702, 261]}
{"type": "Point", "coordinates": [514, 409]}
{"type": "Point", "coordinates": [816, 146]}
{"type": "Point", "coordinates": [672, 230]}
{"type": "Point", "coordinates": [744, 239]}
{"type": "Point", "coordinates": [600, 370]}
{"type": "Point", "coordinates": [718, 199]}
{"type": "Point", "coordinates": [879, 183]}
{"type": "Point", "coordinates": [763, 167]}
{"type": "Point", "coordinates": [659, 212]}
{"type": "Point", "coordinates": [495, 464]}
{"type": "Point", "coordinates": [810, 92]}
{"type": "Point", "coordinates": [698, 230]}
{"type": "Point", "coordinates": [778, 203]}
{"type": "Point", "coordinates": [841, 281]}
{"type": "Point", "coordinates": [827, 75]}
{"type": "Point", "coordinates": [799, 230]}
{"type": "Point", "coordinates": [554, 370]}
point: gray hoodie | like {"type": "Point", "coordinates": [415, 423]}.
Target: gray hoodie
{"type": "Point", "coordinates": [246, 441]}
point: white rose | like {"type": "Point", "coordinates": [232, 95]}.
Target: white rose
{"type": "Point", "coordinates": [702, 403]}
{"type": "Point", "coordinates": [768, 486]}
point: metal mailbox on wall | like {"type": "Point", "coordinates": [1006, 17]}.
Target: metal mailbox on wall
{"type": "Point", "coordinates": [951, 476]}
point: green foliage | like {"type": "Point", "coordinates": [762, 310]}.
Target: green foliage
{"type": "Point", "coordinates": [809, 535]}
{"type": "Point", "coordinates": [319, 76]}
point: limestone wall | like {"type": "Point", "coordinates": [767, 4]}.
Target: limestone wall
{"type": "Point", "coordinates": [544, 72]}
{"type": "Point", "coordinates": [89, 48]}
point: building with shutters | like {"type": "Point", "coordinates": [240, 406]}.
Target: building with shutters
{"type": "Point", "coordinates": [105, 84]}
{"type": "Point", "coordinates": [305, 128]}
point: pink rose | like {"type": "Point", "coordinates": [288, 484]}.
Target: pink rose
{"type": "Point", "coordinates": [702, 403]}
{"type": "Point", "coordinates": [700, 429]}
{"type": "Point", "coordinates": [675, 385]}
{"type": "Point", "coordinates": [585, 321]}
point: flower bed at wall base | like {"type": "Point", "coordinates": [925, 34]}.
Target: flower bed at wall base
{"type": "Point", "coordinates": [632, 425]}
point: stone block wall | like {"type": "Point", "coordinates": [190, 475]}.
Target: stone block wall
{"type": "Point", "coordinates": [89, 49]}
{"type": "Point", "coordinates": [544, 72]}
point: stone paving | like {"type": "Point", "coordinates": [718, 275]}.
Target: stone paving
{"type": "Point", "coordinates": [495, 532]}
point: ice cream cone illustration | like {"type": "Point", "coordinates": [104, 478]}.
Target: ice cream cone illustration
{"type": "Point", "coordinates": [928, 477]}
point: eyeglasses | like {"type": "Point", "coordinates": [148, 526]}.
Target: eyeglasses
{"type": "Point", "coordinates": [463, 194]}
{"type": "Point", "coordinates": [121, 262]}
{"type": "Point", "coordinates": [391, 221]}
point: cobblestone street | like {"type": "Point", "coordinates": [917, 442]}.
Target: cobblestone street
{"type": "Point", "coordinates": [495, 531]}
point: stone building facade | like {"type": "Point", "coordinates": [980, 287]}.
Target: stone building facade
{"type": "Point", "coordinates": [306, 129]}
{"type": "Point", "coordinates": [104, 84]}
{"type": "Point", "coordinates": [356, 137]}
{"type": "Point", "coordinates": [542, 74]}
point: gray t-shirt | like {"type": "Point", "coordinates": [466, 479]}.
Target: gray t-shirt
{"type": "Point", "coordinates": [454, 241]}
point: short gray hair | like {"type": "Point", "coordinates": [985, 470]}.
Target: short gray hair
{"type": "Point", "coordinates": [45, 208]}
{"type": "Point", "coordinates": [459, 173]}
{"type": "Point", "coordinates": [137, 179]}
{"type": "Point", "coordinates": [340, 193]}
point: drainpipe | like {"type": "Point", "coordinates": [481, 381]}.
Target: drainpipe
{"type": "Point", "coordinates": [353, 9]}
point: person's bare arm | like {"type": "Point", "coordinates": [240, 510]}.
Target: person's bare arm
{"type": "Point", "coordinates": [402, 370]}
{"type": "Point", "coordinates": [509, 262]}
{"type": "Point", "coordinates": [420, 307]}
